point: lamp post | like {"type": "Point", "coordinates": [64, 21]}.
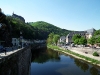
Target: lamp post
{"type": "Point", "coordinates": [21, 37]}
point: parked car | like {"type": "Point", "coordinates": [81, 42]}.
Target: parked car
{"type": "Point", "coordinates": [72, 45]}
{"type": "Point", "coordinates": [67, 44]}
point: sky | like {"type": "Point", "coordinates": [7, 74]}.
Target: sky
{"type": "Point", "coordinates": [75, 15]}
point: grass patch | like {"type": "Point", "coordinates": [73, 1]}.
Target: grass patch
{"type": "Point", "coordinates": [73, 53]}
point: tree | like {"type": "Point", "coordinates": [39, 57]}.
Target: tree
{"type": "Point", "coordinates": [47, 27]}
{"type": "Point", "coordinates": [98, 40]}
{"type": "Point", "coordinates": [97, 37]}
{"type": "Point", "coordinates": [56, 38]}
{"type": "Point", "coordinates": [51, 35]}
{"type": "Point", "coordinates": [50, 38]}
{"type": "Point", "coordinates": [76, 41]}
{"type": "Point", "coordinates": [82, 41]}
{"type": "Point", "coordinates": [91, 41]}
{"type": "Point", "coordinates": [76, 36]}
{"type": "Point", "coordinates": [97, 32]}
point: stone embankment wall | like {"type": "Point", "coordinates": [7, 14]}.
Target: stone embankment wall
{"type": "Point", "coordinates": [17, 63]}
{"type": "Point", "coordinates": [39, 46]}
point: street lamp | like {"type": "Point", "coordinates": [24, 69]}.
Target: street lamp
{"type": "Point", "coordinates": [21, 37]}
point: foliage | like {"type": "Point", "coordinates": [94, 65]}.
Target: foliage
{"type": "Point", "coordinates": [56, 38]}
{"type": "Point", "coordinates": [97, 40]}
{"type": "Point", "coordinates": [97, 32]}
{"type": "Point", "coordinates": [33, 30]}
{"type": "Point", "coordinates": [76, 41]}
{"type": "Point", "coordinates": [17, 26]}
{"type": "Point", "coordinates": [76, 36]}
{"type": "Point", "coordinates": [95, 54]}
{"type": "Point", "coordinates": [53, 38]}
{"type": "Point", "coordinates": [79, 39]}
{"type": "Point", "coordinates": [49, 28]}
{"type": "Point", "coordinates": [50, 38]}
{"type": "Point", "coordinates": [91, 41]}
{"type": "Point", "coordinates": [51, 35]}
{"type": "Point", "coordinates": [82, 41]}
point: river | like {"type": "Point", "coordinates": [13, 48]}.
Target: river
{"type": "Point", "coordinates": [50, 62]}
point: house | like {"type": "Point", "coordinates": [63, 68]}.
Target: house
{"type": "Point", "coordinates": [87, 34]}
{"type": "Point", "coordinates": [15, 42]}
{"type": "Point", "coordinates": [62, 39]}
{"type": "Point", "coordinates": [19, 42]}
{"type": "Point", "coordinates": [90, 33]}
{"type": "Point", "coordinates": [70, 35]}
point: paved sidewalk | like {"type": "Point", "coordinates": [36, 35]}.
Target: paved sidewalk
{"type": "Point", "coordinates": [2, 54]}
{"type": "Point", "coordinates": [89, 51]}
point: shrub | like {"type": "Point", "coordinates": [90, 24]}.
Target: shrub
{"type": "Point", "coordinates": [95, 54]}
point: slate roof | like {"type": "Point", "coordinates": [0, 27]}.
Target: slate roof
{"type": "Point", "coordinates": [89, 31]}
{"type": "Point", "coordinates": [76, 32]}
{"type": "Point", "coordinates": [62, 37]}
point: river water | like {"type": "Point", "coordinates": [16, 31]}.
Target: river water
{"type": "Point", "coordinates": [50, 62]}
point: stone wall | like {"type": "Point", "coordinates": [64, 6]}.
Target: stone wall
{"type": "Point", "coordinates": [16, 64]}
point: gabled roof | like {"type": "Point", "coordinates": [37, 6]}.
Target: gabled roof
{"type": "Point", "coordinates": [90, 30]}
{"type": "Point", "coordinates": [62, 37]}
{"type": "Point", "coordinates": [76, 32]}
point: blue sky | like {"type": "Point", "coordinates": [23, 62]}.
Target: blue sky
{"type": "Point", "coordinates": [68, 14]}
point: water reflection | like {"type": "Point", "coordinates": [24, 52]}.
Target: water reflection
{"type": "Point", "coordinates": [82, 65]}
{"type": "Point", "coordinates": [85, 67]}
{"type": "Point", "coordinates": [43, 56]}
{"type": "Point", "coordinates": [94, 71]}
{"type": "Point", "coordinates": [50, 62]}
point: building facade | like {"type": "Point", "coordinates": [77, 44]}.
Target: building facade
{"type": "Point", "coordinates": [87, 34]}
{"type": "Point", "coordinates": [19, 17]}
{"type": "Point", "coordinates": [62, 39]}
{"type": "Point", "coordinates": [15, 42]}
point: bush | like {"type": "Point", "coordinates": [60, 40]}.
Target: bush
{"type": "Point", "coordinates": [95, 54]}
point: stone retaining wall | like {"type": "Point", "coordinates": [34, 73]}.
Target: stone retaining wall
{"type": "Point", "coordinates": [17, 63]}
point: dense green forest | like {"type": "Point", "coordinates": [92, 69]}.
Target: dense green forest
{"type": "Point", "coordinates": [49, 28]}
{"type": "Point", "coordinates": [34, 30]}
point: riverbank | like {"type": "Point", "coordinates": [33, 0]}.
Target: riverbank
{"type": "Point", "coordinates": [79, 55]}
